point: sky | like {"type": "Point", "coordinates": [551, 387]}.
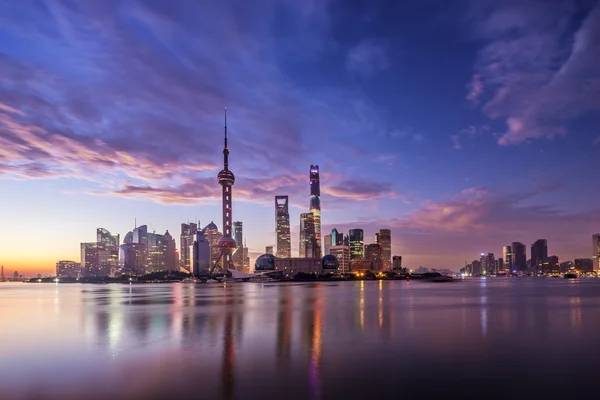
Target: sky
{"type": "Point", "coordinates": [462, 126]}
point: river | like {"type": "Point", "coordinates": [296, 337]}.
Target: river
{"type": "Point", "coordinates": [476, 338]}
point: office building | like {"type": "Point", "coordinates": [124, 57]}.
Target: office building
{"type": "Point", "coordinates": [306, 234]}
{"type": "Point", "coordinates": [100, 258]}
{"type": "Point", "coordinates": [337, 238]}
{"type": "Point", "coordinates": [290, 267]}
{"type": "Point", "coordinates": [385, 240]}
{"type": "Point", "coordinates": [315, 203]}
{"type": "Point", "coordinates": [519, 258]}
{"type": "Point", "coordinates": [67, 269]}
{"type": "Point", "coordinates": [596, 251]}
{"type": "Point", "coordinates": [132, 258]}
{"type": "Point", "coordinates": [374, 254]}
{"type": "Point", "coordinates": [584, 264]}
{"type": "Point", "coordinates": [539, 254]}
{"type": "Point", "coordinates": [268, 249]}
{"type": "Point", "coordinates": [238, 254]}
{"type": "Point", "coordinates": [343, 255]}
{"type": "Point", "coordinates": [212, 234]}
{"type": "Point", "coordinates": [186, 239]}
{"type": "Point", "coordinates": [397, 264]}
{"type": "Point", "coordinates": [327, 245]}
{"type": "Point", "coordinates": [357, 244]}
{"type": "Point", "coordinates": [507, 256]}
{"type": "Point", "coordinates": [157, 260]}
{"type": "Point", "coordinates": [282, 227]}
{"type": "Point", "coordinates": [488, 264]}
{"type": "Point", "coordinates": [201, 254]}
{"type": "Point", "coordinates": [172, 261]}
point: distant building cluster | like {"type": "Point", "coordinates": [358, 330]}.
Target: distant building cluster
{"type": "Point", "coordinates": [514, 261]}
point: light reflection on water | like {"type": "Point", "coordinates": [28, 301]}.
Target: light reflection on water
{"type": "Point", "coordinates": [317, 340]}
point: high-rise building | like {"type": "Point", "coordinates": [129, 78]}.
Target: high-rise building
{"type": "Point", "coordinates": [67, 269]}
{"type": "Point", "coordinates": [539, 254]}
{"type": "Point", "coordinates": [188, 231]}
{"type": "Point", "coordinates": [596, 251]}
{"type": "Point", "coordinates": [385, 240]}
{"type": "Point", "coordinates": [307, 235]}
{"type": "Point", "coordinates": [337, 238]}
{"type": "Point", "coordinates": [238, 254]}
{"type": "Point", "coordinates": [226, 179]}
{"type": "Point", "coordinates": [584, 264]}
{"type": "Point", "coordinates": [201, 254]}
{"type": "Point", "coordinates": [374, 253]}
{"type": "Point", "coordinates": [212, 234]}
{"type": "Point", "coordinates": [507, 256]}
{"type": "Point", "coordinates": [171, 253]}
{"type": "Point", "coordinates": [519, 258]}
{"type": "Point", "coordinates": [488, 264]}
{"type": "Point", "coordinates": [357, 244]}
{"type": "Point", "coordinates": [157, 253]}
{"type": "Point", "coordinates": [397, 263]}
{"type": "Point", "coordinates": [100, 259]}
{"type": "Point", "coordinates": [343, 255]}
{"type": "Point", "coordinates": [132, 258]}
{"type": "Point", "coordinates": [282, 223]}
{"type": "Point", "coordinates": [315, 202]}
{"type": "Point", "coordinates": [327, 245]}
{"type": "Point", "coordinates": [268, 249]}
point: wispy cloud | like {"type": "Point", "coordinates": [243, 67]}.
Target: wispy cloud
{"type": "Point", "coordinates": [367, 58]}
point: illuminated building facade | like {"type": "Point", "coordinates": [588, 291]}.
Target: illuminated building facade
{"type": "Point", "coordinates": [343, 255]}
{"type": "Point", "coordinates": [226, 179]}
{"type": "Point", "coordinates": [357, 244]}
{"type": "Point", "coordinates": [132, 258]}
{"type": "Point", "coordinates": [171, 253]}
{"type": "Point", "coordinates": [67, 269]}
{"type": "Point", "coordinates": [186, 239]}
{"type": "Point", "coordinates": [293, 266]}
{"type": "Point", "coordinates": [596, 251]}
{"type": "Point", "coordinates": [238, 257]}
{"type": "Point", "coordinates": [315, 202]}
{"type": "Point", "coordinates": [508, 259]}
{"type": "Point", "coordinates": [385, 240]}
{"type": "Point", "coordinates": [212, 234]}
{"type": "Point", "coordinates": [327, 245]}
{"type": "Point", "coordinates": [584, 264]}
{"type": "Point", "coordinates": [488, 264]}
{"type": "Point", "coordinates": [337, 238]}
{"type": "Point", "coordinates": [519, 257]}
{"type": "Point", "coordinates": [282, 226]}
{"type": "Point", "coordinates": [100, 259]}
{"type": "Point", "coordinates": [307, 244]}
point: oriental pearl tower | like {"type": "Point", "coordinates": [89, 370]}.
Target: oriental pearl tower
{"type": "Point", "coordinates": [226, 180]}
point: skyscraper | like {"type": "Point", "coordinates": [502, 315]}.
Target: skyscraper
{"type": "Point", "coordinates": [201, 254]}
{"type": "Point", "coordinates": [508, 259]}
{"type": "Point", "coordinates": [315, 202]}
{"type": "Point", "coordinates": [539, 254]}
{"type": "Point", "coordinates": [343, 255]}
{"type": "Point", "coordinates": [337, 239]}
{"type": "Point", "coordinates": [238, 254]}
{"type": "Point", "coordinates": [327, 240]}
{"type": "Point", "coordinates": [596, 250]}
{"type": "Point", "coordinates": [188, 231]}
{"type": "Point", "coordinates": [282, 222]}
{"type": "Point", "coordinates": [268, 249]}
{"type": "Point", "coordinates": [385, 240]}
{"type": "Point", "coordinates": [307, 235]}
{"type": "Point", "coordinates": [357, 244]}
{"type": "Point", "coordinates": [67, 269]}
{"type": "Point", "coordinates": [212, 234]}
{"type": "Point", "coordinates": [488, 264]}
{"type": "Point", "coordinates": [374, 253]}
{"type": "Point", "coordinates": [519, 258]}
{"type": "Point", "coordinates": [172, 262]}
{"type": "Point", "coordinates": [101, 258]}
{"type": "Point", "coordinates": [226, 180]}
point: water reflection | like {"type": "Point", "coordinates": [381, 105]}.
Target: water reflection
{"type": "Point", "coordinates": [293, 341]}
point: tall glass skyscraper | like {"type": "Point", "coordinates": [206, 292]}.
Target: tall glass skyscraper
{"type": "Point", "coordinates": [385, 240]}
{"type": "Point", "coordinates": [357, 244]}
{"type": "Point", "coordinates": [188, 231]}
{"type": "Point", "coordinates": [508, 259]}
{"type": "Point", "coordinates": [315, 202]}
{"type": "Point", "coordinates": [519, 258]}
{"type": "Point", "coordinates": [282, 227]}
{"type": "Point", "coordinates": [307, 235]}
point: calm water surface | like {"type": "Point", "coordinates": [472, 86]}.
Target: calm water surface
{"type": "Point", "coordinates": [496, 338]}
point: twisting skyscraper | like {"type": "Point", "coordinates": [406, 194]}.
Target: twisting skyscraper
{"type": "Point", "coordinates": [315, 202]}
{"type": "Point", "coordinates": [226, 180]}
{"type": "Point", "coordinates": [282, 225]}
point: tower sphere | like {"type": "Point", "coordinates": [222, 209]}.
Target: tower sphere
{"type": "Point", "coordinates": [226, 178]}
{"type": "Point", "coordinates": [227, 241]}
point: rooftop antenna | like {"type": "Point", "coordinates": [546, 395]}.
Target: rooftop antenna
{"type": "Point", "coordinates": [135, 223]}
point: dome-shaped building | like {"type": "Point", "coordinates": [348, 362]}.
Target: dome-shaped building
{"type": "Point", "coordinates": [266, 262]}
{"type": "Point", "coordinates": [330, 263]}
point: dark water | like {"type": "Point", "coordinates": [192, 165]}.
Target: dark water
{"type": "Point", "coordinates": [497, 338]}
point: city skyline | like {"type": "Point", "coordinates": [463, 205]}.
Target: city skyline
{"type": "Point", "coordinates": [446, 125]}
